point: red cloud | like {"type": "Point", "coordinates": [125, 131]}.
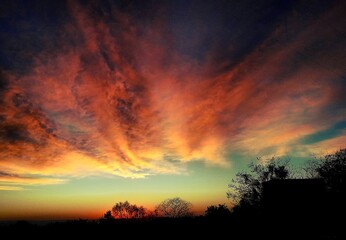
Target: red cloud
{"type": "Point", "coordinates": [122, 100]}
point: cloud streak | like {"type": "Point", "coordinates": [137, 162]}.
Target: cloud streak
{"type": "Point", "coordinates": [118, 93]}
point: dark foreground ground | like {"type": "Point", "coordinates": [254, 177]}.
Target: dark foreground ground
{"type": "Point", "coordinates": [163, 228]}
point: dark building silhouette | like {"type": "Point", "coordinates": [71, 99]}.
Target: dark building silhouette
{"type": "Point", "coordinates": [296, 204]}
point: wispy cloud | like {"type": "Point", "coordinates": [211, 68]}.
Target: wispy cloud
{"type": "Point", "coordinates": [117, 95]}
{"type": "Point", "coordinates": [15, 182]}
{"type": "Point", "coordinates": [10, 188]}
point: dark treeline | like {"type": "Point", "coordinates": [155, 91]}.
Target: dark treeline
{"type": "Point", "coordinates": [270, 201]}
{"type": "Point", "coordinates": [308, 203]}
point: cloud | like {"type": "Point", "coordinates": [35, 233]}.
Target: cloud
{"type": "Point", "coordinates": [118, 93]}
{"type": "Point", "coordinates": [332, 132]}
{"type": "Point", "coordinates": [10, 188]}
{"type": "Point", "coordinates": [15, 182]}
{"type": "Point", "coordinates": [30, 180]}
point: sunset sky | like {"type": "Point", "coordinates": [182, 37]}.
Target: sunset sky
{"type": "Point", "coordinates": [107, 101]}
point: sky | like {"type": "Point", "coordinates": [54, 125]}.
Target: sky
{"type": "Point", "coordinates": [107, 101]}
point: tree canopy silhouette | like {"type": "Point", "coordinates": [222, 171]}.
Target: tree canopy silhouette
{"type": "Point", "coordinates": [174, 208]}
{"type": "Point", "coordinates": [221, 211]}
{"type": "Point", "coordinates": [127, 210]}
{"type": "Point", "coordinates": [108, 215]}
{"type": "Point", "coordinates": [247, 188]}
{"type": "Point", "coordinates": [333, 170]}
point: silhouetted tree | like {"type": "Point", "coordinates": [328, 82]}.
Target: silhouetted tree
{"type": "Point", "coordinates": [136, 212]}
{"type": "Point", "coordinates": [151, 214]}
{"type": "Point", "coordinates": [108, 215]}
{"type": "Point", "coordinates": [333, 170]}
{"type": "Point", "coordinates": [127, 210]}
{"type": "Point", "coordinates": [132, 211]}
{"type": "Point", "coordinates": [217, 212]}
{"type": "Point", "coordinates": [247, 190]}
{"type": "Point", "coordinates": [121, 209]}
{"type": "Point", "coordinates": [174, 207]}
{"type": "Point", "coordinates": [141, 212]}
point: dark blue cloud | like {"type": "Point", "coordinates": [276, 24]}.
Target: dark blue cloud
{"type": "Point", "coordinates": [199, 26]}
{"type": "Point", "coordinates": [27, 28]}
{"type": "Point", "coordinates": [332, 132]}
{"type": "Point", "coordinates": [114, 80]}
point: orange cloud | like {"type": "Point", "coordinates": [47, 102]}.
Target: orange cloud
{"type": "Point", "coordinates": [118, 100]}
{"type": "Point", "coordinates": [10, 188]}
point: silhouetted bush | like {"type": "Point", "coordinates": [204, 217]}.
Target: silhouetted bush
{"type": "Point", "coordinates": [217, 212]}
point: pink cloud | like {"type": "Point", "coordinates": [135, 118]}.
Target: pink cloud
{"type": "Point", "coordinates": [123, 100]}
